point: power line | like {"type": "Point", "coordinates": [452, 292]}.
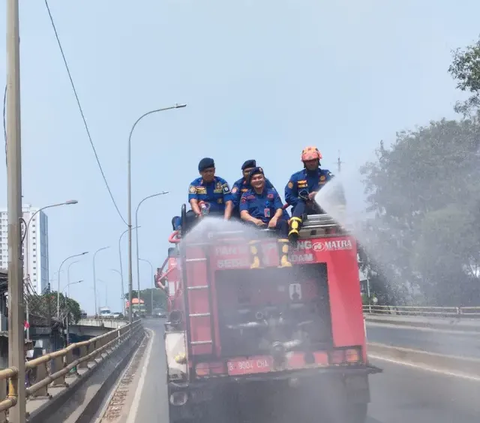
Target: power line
{"type": "Point", "coordinates": [81, 111]}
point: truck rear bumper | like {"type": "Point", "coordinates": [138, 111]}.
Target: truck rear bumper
{"type": "Point", "coordinates": [215, 395]}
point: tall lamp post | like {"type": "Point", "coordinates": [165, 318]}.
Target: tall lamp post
{"type": "Point", "coordinates": [26, 240]}
{"type": "Point", "coordinates": [121, 264]}
{"type": "Point", "coordinates": [94, 276]}
{"type": "Point", "coordinates": [136, 234]}
{"type": "Point", "coordinates": [26, 235]}
{"type": "Point", "coordinates": [129, 189]}
{"type": "Point", "coordinates": [68, 273]}
{"type": "Point", "coordinates": [67, 288]}
{"type": "Point", "coordinates": [122, 293]}
{"type": "Point", "coordinates": [106, 291]}
{"type": "Point", "coordinates": [58, 285]}
{"type": "Point", "coordinates": [153, 285]}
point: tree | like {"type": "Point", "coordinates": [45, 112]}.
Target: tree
{"type": "Point", "coordinates": [424, 194]}
{"type": "Point", "coordinates": [43, 308]}
{"type": "Point", "coordinates": [73, 308]}
{"type": "Point", "coordinates": [465, 68]}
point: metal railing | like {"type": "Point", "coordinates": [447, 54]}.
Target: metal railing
{"type": "Point", "coordinates": [53, 368]}
{"type": "Point", "coordinates": [473, 312]}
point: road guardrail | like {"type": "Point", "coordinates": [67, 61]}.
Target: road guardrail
{"type": "Point", "coordinates": [468, 366]}
{"type": "Point", "coordinates": [53, 368]}
{"type": "Point", "coordinates": [468, 312]}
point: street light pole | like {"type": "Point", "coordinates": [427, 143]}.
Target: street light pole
{"type": "Point", "coordinates": [106, 291]}
{"type": "Point", "coordinates": [153, 285]}
{"type": "Point", "coordinates": [67, 317]}
{"type": "Point", "coordinates": [121, 290]}
{"type": "Point", "coordinates": [129, 194]}
{"type": "Point", "coordinates": [26, 235]}
{"type": "Point", "coordinates": [121, 266]}
{"type": "Point", "coordinates": [58, 284]}
{"type": "Point", "coordinates": [136, 235]}
{"type": "Point", "coordinates": [16, 342]}
{"type": "Point", "coordinates": [68, 274]}
{"type": "Point", "coordinates": [94, 277]}
{"type": "Point", "coordinates": [66, 290]}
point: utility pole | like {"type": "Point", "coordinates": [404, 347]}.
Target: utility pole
{"type": "Point", "coordinates": [16, 341]}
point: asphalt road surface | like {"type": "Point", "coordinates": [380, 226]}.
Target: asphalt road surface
{"type": "Point", "coordinates": [401, 394]}
{"type": "Point", "coordinates": [437, 341]}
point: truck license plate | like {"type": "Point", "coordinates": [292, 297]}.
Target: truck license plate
{"type": "Point", "coordinates": [250, 366]}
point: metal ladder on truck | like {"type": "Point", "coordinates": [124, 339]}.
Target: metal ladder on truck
{"type": "Point", "coordinates": [201, 332]}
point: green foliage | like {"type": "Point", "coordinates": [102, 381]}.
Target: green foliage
{"type": "Point", "coordinates": [43, 308]}
{"type": "Point", "coordinates": [465, 68]}
{"type": "Point", "coordinates": [74, 308]}
{"type": "Point", "coordinates": [424, 195]}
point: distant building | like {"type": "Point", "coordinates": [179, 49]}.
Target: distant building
{"type": "Point", "coordinates": [35, 247]}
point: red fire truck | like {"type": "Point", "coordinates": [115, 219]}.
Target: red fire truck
{"type": "Point", "coordinates": [236, 334]}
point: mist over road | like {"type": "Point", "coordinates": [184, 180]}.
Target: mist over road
{"type": "Point", "coordinates": [435, 341]}
{"type": "Point", "coordinates": [401, 394]}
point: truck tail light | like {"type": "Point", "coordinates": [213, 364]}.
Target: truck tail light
{"type": "Point", "coordinates": [202, 369]}
{"type": "Point", "coordinates": [210, 369]}
{"type": "Point", "coordinates": [337, 357]}
{"type": "Point", "coordinates": [352, 355]}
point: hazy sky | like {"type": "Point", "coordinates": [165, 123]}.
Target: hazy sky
{"type": "Point", "coordinates": [262, 79]}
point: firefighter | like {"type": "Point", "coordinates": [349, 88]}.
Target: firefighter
{"type": "Point", "coordinates": [261, 206]}
{"type": "Point", "coordinates": [302, 187]}
{"type": "Point", "coordinates": [209, 194]}
{"type": "Point", "coordinates": [241, 186]}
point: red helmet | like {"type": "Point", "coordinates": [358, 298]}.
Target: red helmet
{"type": "Point", "coordinates": [311, 153]}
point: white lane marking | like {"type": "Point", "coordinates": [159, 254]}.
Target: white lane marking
{"type": "Point", "coordinates": [424, 329]}
{"type": "Point", "coordinates": [138, 393]}
{"type": "Point", "coordinates": [426, 368]}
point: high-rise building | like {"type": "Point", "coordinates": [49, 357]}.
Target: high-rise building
{"type": "Point", "coordinates": [35, 247]}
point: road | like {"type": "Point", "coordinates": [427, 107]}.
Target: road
{"type": "Point", "coordinates": [400, 395]}
{"type": "Point", "coordinates": [437, 341]}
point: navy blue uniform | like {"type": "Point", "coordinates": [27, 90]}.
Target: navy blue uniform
{"type": "Point", "coordinates": [303, 183]}
{"type": "Point", "coordinates": [241, 186]}
{"type": "Point", "coordinates": [215, 193]}
{"type": "Point", "coordinates": [263, 206]}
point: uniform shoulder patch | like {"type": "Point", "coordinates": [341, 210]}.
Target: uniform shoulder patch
{"type": "Point", "coordinates": [322, 178]}
{"type": "Point", "coordinates": [192, 189]}
{"type": "Point", "coordinates": [290, 185]}
{"type": "Point", "coordinates": [234, 190]}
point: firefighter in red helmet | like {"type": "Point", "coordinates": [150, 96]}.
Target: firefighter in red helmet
{"type": "Point", "coordinates": [303, 186]}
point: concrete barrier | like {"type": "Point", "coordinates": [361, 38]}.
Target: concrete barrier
{"type": "Point", "coordinates": [86, 393]}
{"type": "Point", "coordinates": [449, 363]}
{"type": "Point", "coordinates": [107, 323]}
{"type": "Point", "coordinates": [446, 323]}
